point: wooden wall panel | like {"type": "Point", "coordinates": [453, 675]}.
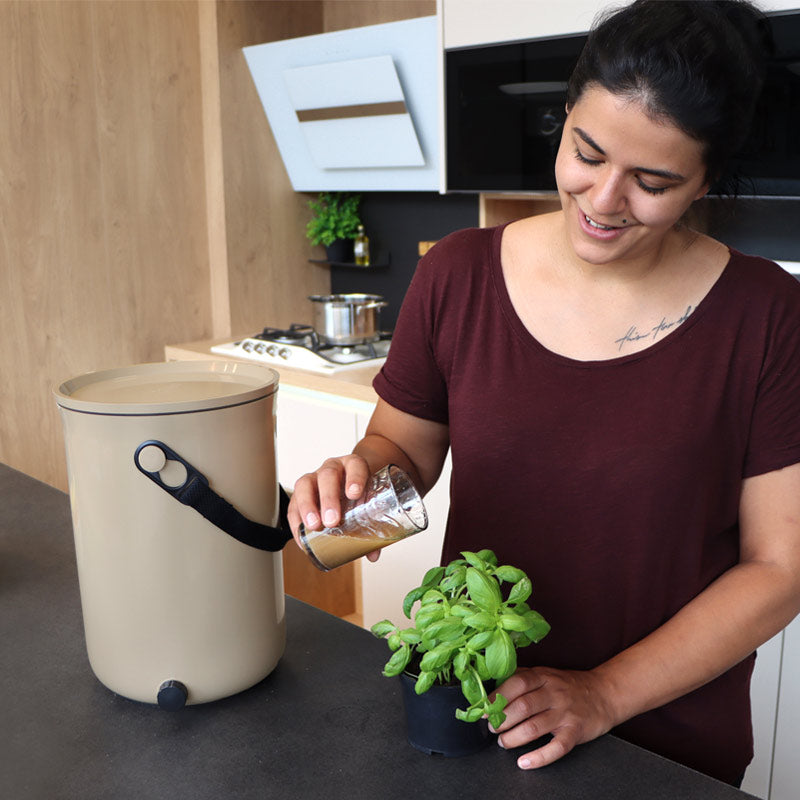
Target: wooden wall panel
{"type": "Point", "coordinates": [268, 270]}
{"type": "Point", "coordinates": [342, 14]}
{"type": "Point", "coordinates": [102, 244]}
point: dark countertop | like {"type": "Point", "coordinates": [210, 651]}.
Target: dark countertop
{"type": "Point", "coordinates": [325, 723]}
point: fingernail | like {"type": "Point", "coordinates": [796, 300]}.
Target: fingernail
{"type": "Point", "coordinates": [523, 763]}
{"type": "Point", "coordinates": [354, 490]}
{"type": "Point", "coordinates": [500, 743]}
{"type": "Point", "coordinates": [312, 520]}
{"type": "Point", "coordinates": [329, 517]}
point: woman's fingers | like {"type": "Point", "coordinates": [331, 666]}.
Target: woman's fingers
{"type": "Point", "coordinates": [542, 701]}
{"type": "Point", "coordinates": [317, 496]}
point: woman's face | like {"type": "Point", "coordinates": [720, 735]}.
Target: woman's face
{"type": "Point", "coordinates": [624, 179]}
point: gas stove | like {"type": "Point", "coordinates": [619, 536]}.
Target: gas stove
{"type": "Point", "coordinates": [300, 347]}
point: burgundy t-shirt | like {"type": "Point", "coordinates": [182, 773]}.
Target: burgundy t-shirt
{"type": "Point", "coordinates": [614, 484]}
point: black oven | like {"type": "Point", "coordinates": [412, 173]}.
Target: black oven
{"type": "Point", "coordinates": [505, 110]}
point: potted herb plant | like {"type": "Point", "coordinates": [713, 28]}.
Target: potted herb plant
{"type": "Point", "coordinates": [334, 224]}
{"type": "Point", "coordinates": [472, 617]}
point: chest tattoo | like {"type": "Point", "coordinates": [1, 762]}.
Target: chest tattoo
{"type": "Point", "coordinates": [633, 334]}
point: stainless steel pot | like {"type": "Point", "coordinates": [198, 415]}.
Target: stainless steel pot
{"type": "Point", "coordinates": [347, 319]}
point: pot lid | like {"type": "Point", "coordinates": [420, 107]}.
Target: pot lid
{"type": "Point", "coordinates": [347, 299]}
{"type": "Point", "coordinates": [167, 388]}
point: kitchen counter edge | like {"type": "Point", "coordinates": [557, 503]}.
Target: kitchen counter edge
{"type": "Point", "coordinates": [353, 384]}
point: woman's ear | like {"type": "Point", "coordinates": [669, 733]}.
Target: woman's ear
{"type": "Point", "coordinates": [702, 191]}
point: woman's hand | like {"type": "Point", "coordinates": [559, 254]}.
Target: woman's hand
{"type": "Point", "coordinates": [567, 704]}
{"type": "Point", "coordinates": [317, 496]}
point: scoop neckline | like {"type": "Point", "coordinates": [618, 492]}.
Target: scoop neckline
{"type": "Point", "coordinates": [529, 340]}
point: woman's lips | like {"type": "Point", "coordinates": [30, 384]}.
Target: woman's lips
{"type": "Point", "coordinates": [597, 230]}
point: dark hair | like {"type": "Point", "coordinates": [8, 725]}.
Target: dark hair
{"type": "Point", "coordinates": [698, 63]}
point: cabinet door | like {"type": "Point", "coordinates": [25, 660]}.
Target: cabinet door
{"type": "Point", "coordinates": [311, 427]}
{"type": "Point", "coordinates": [786, 768]}
{"type": "Point", "coordinates": [764, 701]}
{"type": "Point", "coordinates": [474, 22]}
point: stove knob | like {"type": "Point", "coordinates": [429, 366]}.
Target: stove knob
{"type": "Point", "coordinates": [272, 350]}
{"type": "Point", "coordinates": [284, 353]}
{"type": "Point", "coordinates": [260, 347]}
{"type": "Point", "coordinates": [247, 346]}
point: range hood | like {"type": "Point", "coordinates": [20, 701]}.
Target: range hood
{"type": "Point", "coordinates": [355, 110]}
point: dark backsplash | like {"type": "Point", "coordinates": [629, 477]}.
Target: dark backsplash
{"type": "Point", "coordinates": [397, 221]}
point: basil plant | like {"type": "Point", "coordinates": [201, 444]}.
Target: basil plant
{"type": "Point", "coordinates": [465, 629]}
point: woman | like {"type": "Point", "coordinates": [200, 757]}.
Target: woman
{"type": "Point", "coordinates": [621, 396]}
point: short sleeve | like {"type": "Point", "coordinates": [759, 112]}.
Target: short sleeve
{"type": "Point", "coordinates": [774, 440]}
{"type": "Point", "coordinates": [411, 379]}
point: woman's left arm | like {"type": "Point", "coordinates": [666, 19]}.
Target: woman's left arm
{"type": "Point", "coordinates": [738, 612]}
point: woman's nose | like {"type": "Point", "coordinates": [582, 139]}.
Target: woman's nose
{"type": "Point", "coordinates": [608, 193]}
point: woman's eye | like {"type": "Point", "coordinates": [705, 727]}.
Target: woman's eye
{"type": "Point", "coordinates": [584, 160]}
{"type": "Point", "coordinates": [652, 189]}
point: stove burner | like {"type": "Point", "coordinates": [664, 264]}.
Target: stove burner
{"type": "Point", "coordinates": [297, 333]}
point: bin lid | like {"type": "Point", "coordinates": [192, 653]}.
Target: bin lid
{"type": "Point", "coordinates": [171, 387]}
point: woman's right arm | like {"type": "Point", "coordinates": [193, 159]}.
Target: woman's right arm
{"type": "Point", "coordinates": [416, 445]}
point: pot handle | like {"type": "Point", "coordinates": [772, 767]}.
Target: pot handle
{"type": "Point", "coordinates": [195, 492]}
{"type": "Point", "coordinates": [365, 306]}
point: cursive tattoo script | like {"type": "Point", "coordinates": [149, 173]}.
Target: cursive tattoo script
{"type": "Point", "coordinates": [633, 334]}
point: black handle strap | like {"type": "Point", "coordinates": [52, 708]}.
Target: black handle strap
{"type": "Point", "coordinates": [196, 493]}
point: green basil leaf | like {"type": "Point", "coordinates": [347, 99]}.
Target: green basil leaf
{"type": "Point", "coordinates": [433, 596]}
{"type": "Point", "coordinates": [474, 560]}
{"type": "Point", "coordinates": [424, 682]}
{"type": "Point", "coordinates": [496, 719]}
{"type": "Point", "coordinates": [509, 574]}
{"type": "Point", "coordinates": [473, 714]}
{"type": "Point", "coordinates": [471, 687]}
{"type": "Point", "coordinates": [499, 703]}
{"type": "Point", "coordinates": [482, 621]}
{"type": "Point", "coordinates": [410, 636]}
{"type": "Point", "coordinates": [380, 629]}
{"type": "Point", "coordinates": [488, 557]}
{"type": "Point", "coordinates": [411, 598]}
{"type": "Point", "coordinates": [480, 667]}
{"type": "Point", "coordinates": [461, 714]}
{"type": "Point", "coordinates": [435, 659]}
{"type": "Point", "coordinates": [501, 660]}
{"type": "Point", "coordinates": [445, 629]}
{"type": "Point", "coordinates": [461, 610]}
{"type": "Point", "coordinates": [480, 640]}
{"type": "Point", "coordinates": [483, 590]}
{"type": "Point", "coordinates": [538, 628]}
{"type": "Point", "coordinates": [394, 641]}
{"type": "Point", "coordinates": [520, 591]}
{"type": "Point", "coordinates": [511, 622]}
{"type": "Point", "coordinates": [428, 614]}
{"type": "Point", "coordinates": [432, 577]}
{"type": "Point", "coordinates": [398, 662]}
{"type": "Point", "coordinates": [460, 664]}
{"type": "Point", "coordinates": [454, 565]}
{"type": "Point", "coordinates": [455, 580]}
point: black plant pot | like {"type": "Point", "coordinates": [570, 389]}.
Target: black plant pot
{"type": "Point", "coordinates": [431, 721]}
{"type": "Point", "coordinates": [340, 252]}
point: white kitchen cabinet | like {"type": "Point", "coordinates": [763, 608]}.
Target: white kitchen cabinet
{"type": "Point", "coordinates": [313, 426]}
{"type": "Point", "coordinates": [785, 768]}
{"type": "Point", "coordinates": [466, 23]}
{"type": "Point", "coordinates": [764, 701]}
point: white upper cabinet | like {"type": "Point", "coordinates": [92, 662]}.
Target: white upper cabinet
{"type": "Point", "coordinates": [474, 22]}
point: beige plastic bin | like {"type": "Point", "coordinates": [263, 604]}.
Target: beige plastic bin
{"type": "Point", "coordinates": [175, 610]}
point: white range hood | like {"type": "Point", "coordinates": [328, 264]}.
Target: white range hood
{"type": "Point", "coordinates": [355, 110]}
